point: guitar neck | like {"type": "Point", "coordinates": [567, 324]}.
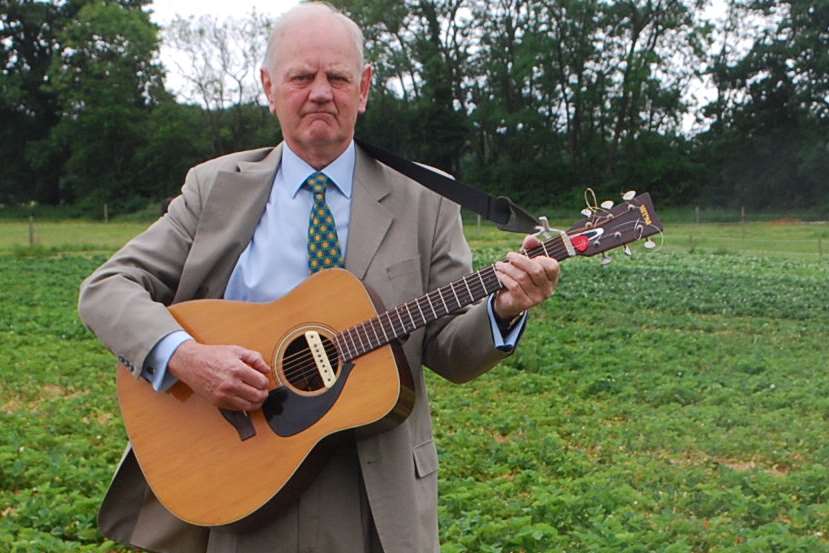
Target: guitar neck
{"type": "Point", "coordinates": [407, 317]}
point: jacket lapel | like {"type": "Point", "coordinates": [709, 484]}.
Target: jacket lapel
{"type": "Point", "coordinates": [231, 212]}
{"type": "Point", "coordinates": [370, 220]}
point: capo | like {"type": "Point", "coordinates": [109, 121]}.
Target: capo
{"type": "Point", "coordinates": [546, 232]}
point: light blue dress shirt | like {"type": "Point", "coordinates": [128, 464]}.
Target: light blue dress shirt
{"type": "Point", "coordinates": [276, 259]}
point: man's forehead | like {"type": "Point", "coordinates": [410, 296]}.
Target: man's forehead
{"type": "Point", "coordinates": [318, 49]}
{"type": "Point", "coordinates": [313, 64]}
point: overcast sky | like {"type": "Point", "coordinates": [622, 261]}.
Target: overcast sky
{"type": "Point", "coordinates": [165, 10]}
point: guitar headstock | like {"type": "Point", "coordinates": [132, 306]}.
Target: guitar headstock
{"type": "Point", "coordinates": [607, 226]}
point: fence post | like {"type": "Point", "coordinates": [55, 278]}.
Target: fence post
{"type": "Point", "coordinates": [696, 209]}
{"type": "Point", "coordinates": [31, 231]}
{"type": "Point", "coordinates": [743, 214]}
{"type": "Point", "coordinates": [106, 213]}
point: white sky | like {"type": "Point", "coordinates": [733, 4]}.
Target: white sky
{"type": "Point", "coordinates": [165, 10]}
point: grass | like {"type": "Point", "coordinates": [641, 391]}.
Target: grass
{"type": "Point", "coordinates": [51, 237]}
{"type": "Point", "coordinates": [676, 401]}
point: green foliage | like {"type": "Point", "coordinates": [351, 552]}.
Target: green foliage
{"type": "Point", "coordinates": [107, 81]}
{"type": "Point", "coordinates": [669, 402]}
{"type": "Point", "coordinates": [536, 100]}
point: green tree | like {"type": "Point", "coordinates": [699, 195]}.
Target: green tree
{"type": "Point", "coordinates": [769, 141]}
{"type": "Point", "coordinates": [107, 81]}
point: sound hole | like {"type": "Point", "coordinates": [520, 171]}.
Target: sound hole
{"type": "Point", "coordinates": [299, 366]}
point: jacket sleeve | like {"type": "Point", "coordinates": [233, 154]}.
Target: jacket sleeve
{"type": "Point", "coordinates": [461, 347]}
{"type": "Point", "coordinates": [124, 301]}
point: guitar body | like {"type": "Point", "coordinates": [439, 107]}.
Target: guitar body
{"type": "Point", "coordinates": [335, 368]}
{"type": "Point", "coordinates": [209, 471]}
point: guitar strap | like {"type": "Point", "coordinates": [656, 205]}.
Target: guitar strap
{"type": "Point", "coordinates": [501, 210]}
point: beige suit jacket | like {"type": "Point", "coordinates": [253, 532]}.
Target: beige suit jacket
{"type": "Point", "coordinates": [403, 241]}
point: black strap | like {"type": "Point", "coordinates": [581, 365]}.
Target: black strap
{"type": "Point", "coordinates": [505, 214]}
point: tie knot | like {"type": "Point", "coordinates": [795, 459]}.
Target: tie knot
{"type": "Point", "coordinates": [317, 183]}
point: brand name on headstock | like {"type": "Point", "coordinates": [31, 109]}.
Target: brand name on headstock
{"type": "Point", "coordinates": [645, 215]}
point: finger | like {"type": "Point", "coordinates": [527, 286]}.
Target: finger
{"type": "Point", "coordinates": [254, 359]}
{"type": "Point", "coordinates": [529, 272]}
{"type": "Point", "coordinates": [516, 295]}
{"type": "Point", "coordinates": [551, 268]}
{"type": "Point", "coordinates": [250, 376]}
{"type": "Point", "coordinates": [546, 277]}
{"type": "Point", "coordinates": [246, 392]}
{"type": "Point", "coordinates": [530, 241]}
{"type": "Point", "coordinates": [238, 404]}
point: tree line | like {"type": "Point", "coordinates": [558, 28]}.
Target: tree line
{"type": "Point", "coordinates": [535, 99]}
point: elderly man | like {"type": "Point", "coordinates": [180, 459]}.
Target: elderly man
{"type": "Point", "coordinates": [240, 230]}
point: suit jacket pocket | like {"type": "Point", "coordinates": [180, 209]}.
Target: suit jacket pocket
{"type": "Point", "coordinates": [405, 279]}
{"type": "Point", "coordinates": [425, 458]}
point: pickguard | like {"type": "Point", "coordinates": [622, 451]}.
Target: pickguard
{"type": "Point", "coordinates": [289, 413]}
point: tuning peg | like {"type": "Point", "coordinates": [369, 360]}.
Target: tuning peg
{"type": "Point", "coordinates": [606, 260]}
{"type": "Point", "coordinates": [586, 212]}
{"type": "Point", "coordinates": [607, 205]}
{"type": "Point", "coordinates": [629, 195]}
{"type": "Point", "coordinates": [650, 244]}
{"type": "Point", "coordinates": [627, 251]}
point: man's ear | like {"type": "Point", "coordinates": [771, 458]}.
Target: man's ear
{"type": "Point", "coordinates": [267, 86]}
{"type": "Point", "coordinates": [365, 86]}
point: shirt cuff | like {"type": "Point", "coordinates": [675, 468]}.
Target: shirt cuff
{"type": "Point", "coordinates": [155, 366]}
{"type": "Point", "coordinates": [504, 343]}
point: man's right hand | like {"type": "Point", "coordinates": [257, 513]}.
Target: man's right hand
{"type": "Point", "coordinates": [230, 377]}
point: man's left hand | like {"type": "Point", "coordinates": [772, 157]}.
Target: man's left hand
{"type": "Point", "coordinates": [527, 281]}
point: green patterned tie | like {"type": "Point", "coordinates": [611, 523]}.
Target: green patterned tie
{"type": "Point", "coordinates": [323, 245]}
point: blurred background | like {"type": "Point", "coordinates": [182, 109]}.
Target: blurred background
{"type": "Point", "coordinates": [721, 104]}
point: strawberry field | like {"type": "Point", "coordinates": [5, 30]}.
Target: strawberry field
{"type": "Point", "coordinates": [676, 401]}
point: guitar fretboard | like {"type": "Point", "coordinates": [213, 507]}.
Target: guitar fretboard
{"type": "Point", "coordinates": [406, 318]}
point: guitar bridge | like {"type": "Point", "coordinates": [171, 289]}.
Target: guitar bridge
{"type": "Point", "coordinates": [320, 358]}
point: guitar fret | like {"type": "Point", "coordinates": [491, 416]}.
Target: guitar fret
{"type": "Point", "coordinates": [353, 343]}
{"type": "Point", "coordinates": [483, 284]}
{"type": "Point", "coordinates": [452, 287]}
{"type": "Point", "coordinates": [544, 247]}
{"type": "Point", "coordinates": [360, 338]}
{"type": "Point", "coordinates": [429, 299]}
{"type": "Point", "coordinates": [471, 297]}
{"type": "Point", "coordinates": [417, 303]}
{"type": "Point", "coordinates": [342, 352]}
{"type": "Point", "coordinates": [373, 329]}
{"type": "Point", "coordinates": [414, 325]}
{"type": "Point", "coordinates": [500, 284]}
{"type": "Point", "coordinates": [391, 324]}
{"type": "Point", "coordinates": [443, 300]}
{"type": "Point", "coordinates": [397, 310]}
{"type": "Point", "coordinates": [386, 336]}
{"type": "Point", "coordinates": [370, 345]}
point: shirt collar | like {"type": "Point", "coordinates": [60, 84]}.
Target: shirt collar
{"type": "Point", "coordinates": [295, 170]}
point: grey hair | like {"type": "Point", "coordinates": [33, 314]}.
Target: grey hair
{"type": "Point", "coordinates": [282, 22]}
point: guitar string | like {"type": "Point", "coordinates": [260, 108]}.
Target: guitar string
{"type": "Point", "coordinates": [355, 329]}
{"type": "Point", "coordinates": [305, 369]}
{"type": "Point", "coordinates": [297, 365]}
{"type": "Point", "coordinates": [301, 364]}
{"type": "Point", "coordinates": [304, 366]}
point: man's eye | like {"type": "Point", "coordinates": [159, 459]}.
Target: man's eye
{"type": "Point", "coordinates": [302, 78]}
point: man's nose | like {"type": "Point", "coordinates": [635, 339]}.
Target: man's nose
{"type": "Point", "coordinates": [321, 90]}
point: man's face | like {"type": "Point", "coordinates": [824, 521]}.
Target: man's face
{"type": "Point", "coordinates": [317, 87]}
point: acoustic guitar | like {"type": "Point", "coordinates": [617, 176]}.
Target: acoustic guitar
{"type": "Point", "coordinates": [333, 370]}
